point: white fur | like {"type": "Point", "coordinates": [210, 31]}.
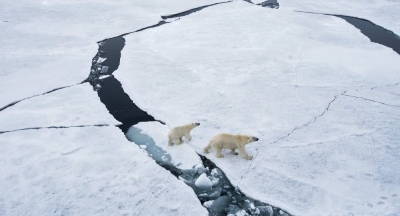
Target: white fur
{"type": "Point", "coordinates": [232, 142]}
{"type": "Point", "coordinates": [175, 134]}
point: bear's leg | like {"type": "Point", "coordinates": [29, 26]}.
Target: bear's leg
{"type": "Point", "coordinates": [188, 136]}
{"type": "Point", "coordinates": [218, 152]}
{"type": "Point", "coordinates": [207, 148]}
{"type": "Point", "coordinates": [170, 143]}
{"type": "Point", "coordinates": [233, 151]}
{"type": "Point", "coordinates": [244, 154]}
{"type": "Point", "coordinates": [180, 141]}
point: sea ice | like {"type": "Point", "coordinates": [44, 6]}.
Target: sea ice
{"type": "Point", "coordinates": [235, 67]}
{"type": "Point", "coordinates": [208, 203]}
{"type": "Point", "coordinates": [86, 171]}
{"type": "Point", "coordinates": [203, 182]}
{"type": "Point", "coordinates": [73, 106]}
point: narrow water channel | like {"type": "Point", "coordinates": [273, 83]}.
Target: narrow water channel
{"type": "Point", "coordinates": [270, 3]}
{"type": "Point", "coordinates": [375, 33]}
{"type": "Point", "coordinates": [188, 12]}
{"type": "Point", "coordinates": [210, 184]}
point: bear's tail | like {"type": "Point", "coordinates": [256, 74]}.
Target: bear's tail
{"type": "Point", "coordinates": [207, 147]}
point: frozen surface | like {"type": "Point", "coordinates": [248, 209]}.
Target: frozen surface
{"type": "Point", "coordinates": [274, 74]}
{"type": "Point", "coordinates": [49, 44]}
{"type": "Point", "coordinates": [86, 171]}
{"type": "Point", "coordinates": [347, 162]}
{"type": "Point", "coordinates": [382, 12]}
{"type": "Point", "coordinates": [303, 83]}
{"type": "Point", "coordinates": [73, 106]}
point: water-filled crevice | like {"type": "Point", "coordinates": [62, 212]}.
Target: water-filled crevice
{"type": "Point", "coordinates": [231, 199]}
{"type": "Point", "coordinates": [120, 105]}
{"type": "Point", "coordinates": [376, 33]}
{"type": "Point", "coordinates": [109, 89]}
{"type": "Point", "coordinates": [210, 184]}
{"type": "Point", "coordinates": [268, 3]}
{"type": "Point", "coordinates": [57, 127]}
{"type": "Point", "coordinates": [185, 13]}
{"type": "Point", "coordinates": [160, 23]}
{"type": "Point", "coordinates": [164, 17]}
{"type": "Point", "coordinates": [106, 60]}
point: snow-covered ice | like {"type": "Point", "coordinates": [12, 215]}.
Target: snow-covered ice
{"type": "Point", "coordinates": [73, 106]}
{"type": "Point", "coordinates": [86, 171]}
{"type": "Point", "coordinates": [321, 97]}
{"type": "Point", "coordinates": [347, 161]}
{"type": "Point", "coordinates": [239, 213]}
{"type": "Point", "coordinates": [208, 203]}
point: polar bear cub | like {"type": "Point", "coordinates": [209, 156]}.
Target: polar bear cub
{"type": "Point", "coordinates": [232, 142]}
{"type": "Point", "coordinates": [175, 134]}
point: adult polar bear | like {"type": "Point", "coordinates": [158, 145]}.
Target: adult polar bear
{"type": "Point", "coordinates": [175, 134]}
{"type": "Point", "coordinates": [232, 142]}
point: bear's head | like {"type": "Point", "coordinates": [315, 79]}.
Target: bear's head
{"type": "Point", "coordinates": [192, 125]}
{"type": "Point", "coordinates": [251, 139]}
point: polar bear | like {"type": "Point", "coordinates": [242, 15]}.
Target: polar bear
{"type": "Point", "coordinates": [232, 142]}
{"type": "Point", "coordinates": [175, 134]}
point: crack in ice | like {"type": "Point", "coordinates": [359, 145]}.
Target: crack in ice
{"type": "Point", "coordinates": [385, 86]}
{"type": "Point", "coordinates": [48, 92]}
{"type": "Point", "coordinates": [268, 3]}
{"type": "Point", "coordinates": [248, 169]}
{"type": "Point", "coordinates": [164, 17]}
{"type": "Point", "coordinates": [160, 23]}
{"type": "Point", "coordinates": [314, 119]}
{"type": "Point", "coordinates": [73, 151]}
{"type": "Point", "coordinates": [375, 33]}
{"type": "Point", "coordinates": [363, 98]}
{"type": "Point", "coordinates": [190, 11]}
{"type": "Point", "coordinates": [57, 127]}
